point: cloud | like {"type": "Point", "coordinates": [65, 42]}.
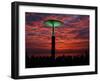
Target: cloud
{"type": "Point", "coordinates": [73, 34]}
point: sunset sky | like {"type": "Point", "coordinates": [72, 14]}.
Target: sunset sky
{"type": "Point", "coordinates": [72, 38]}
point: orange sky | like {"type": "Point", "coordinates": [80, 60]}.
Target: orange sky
{"type": "Point", "coordinates": [73, 34]}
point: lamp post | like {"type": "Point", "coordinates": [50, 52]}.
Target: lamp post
{"type": "Point", "coordinates": [54, 24]}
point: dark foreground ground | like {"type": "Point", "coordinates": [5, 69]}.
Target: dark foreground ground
{"type": "Point", "coordinates": [59, 61]}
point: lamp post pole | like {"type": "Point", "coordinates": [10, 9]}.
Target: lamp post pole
{"type": "Point", "coordinates": [53, 42]}
{"type": "Point", "coordinates": [53, 24]}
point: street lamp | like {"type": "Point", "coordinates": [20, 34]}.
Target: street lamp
{"type": "Point", "coordinates": [54, 24]}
